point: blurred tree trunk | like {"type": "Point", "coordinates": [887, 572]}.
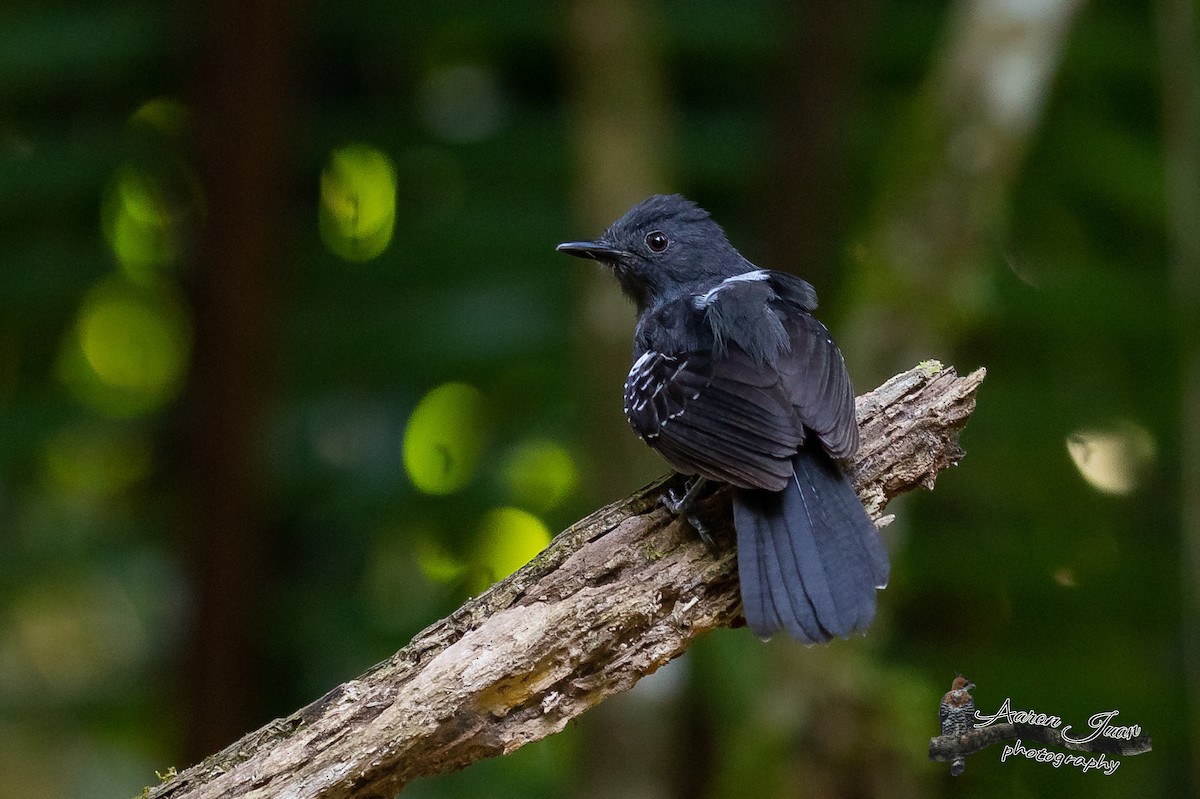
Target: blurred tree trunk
{"type": "Point", "coordinates": [620, 120]}
{"type": "Point", "coordinates": [814, 93]}
{"type": "Point", "coordinates": [1177, 32]}
{"type": "Point", "coordinates": [948, 174]}
{"type": "Point", "coordinates": [240, 86]}
{"type": "Point", "coordinates": [952, 167]}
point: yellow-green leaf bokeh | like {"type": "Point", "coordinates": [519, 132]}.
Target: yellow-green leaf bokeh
{"type": "Point", "coordinates": [138, 223]}
{"type": "Point", "coordinates": [508, 539]}
{"type": "Point", "coordinates": [444, 438]}
{"type": "Point", "coordinates": [539, 474]}
{"type": "Point", "coordinates": [130, 350]}
{"type": "Point", "coordinates": [358, 202]}
{"type": "Point", "coordinates": [95, 461]}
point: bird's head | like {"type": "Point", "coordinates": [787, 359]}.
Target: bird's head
{"type": "Point", "coordinates": [661, 248]}
{"type": "Point", "coordinates": [961, 683]}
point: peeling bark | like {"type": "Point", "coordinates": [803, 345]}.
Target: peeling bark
{"type": "Point", "coordinates": [611, 599]}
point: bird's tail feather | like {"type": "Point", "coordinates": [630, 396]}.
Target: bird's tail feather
{"type": "Point", "coordinates": [809, 557]}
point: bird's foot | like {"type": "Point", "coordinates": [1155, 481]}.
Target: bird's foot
{"type": "Point", "coordinates": [683, 506]}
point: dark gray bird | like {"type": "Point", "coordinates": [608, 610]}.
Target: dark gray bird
{"type": "Point", "coordinates": [734, 380]}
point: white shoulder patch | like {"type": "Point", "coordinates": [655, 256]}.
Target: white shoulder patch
{"type": "Point", "coordinates": [704, 300]}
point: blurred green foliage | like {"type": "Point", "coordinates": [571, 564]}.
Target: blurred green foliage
{"type": "Point", "coordinates": [422, 432]}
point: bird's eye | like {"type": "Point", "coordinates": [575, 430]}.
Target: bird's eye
{"type": "Point", "coordinates": [657, 241]}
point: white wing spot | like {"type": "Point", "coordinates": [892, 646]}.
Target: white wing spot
{"type": "Point", "coordinates": [641, 362]}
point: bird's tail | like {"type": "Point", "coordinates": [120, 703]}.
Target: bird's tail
{"type": "Point", "coordinates": [957, 765]}
{"type": "Point", "coordinates": [809, 557]}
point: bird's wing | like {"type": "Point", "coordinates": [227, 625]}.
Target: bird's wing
{"type": "Point", "coordinates": [716, 423]}
{"type": "Point", "coordinates": [737, 411]}
{"type": "Point", "coordinates": [813, 375]}
{"type": "Point", "coordinates": [762, 320]}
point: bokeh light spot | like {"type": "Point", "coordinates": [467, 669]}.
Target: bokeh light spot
{"type": "Point", "coordinates": [95, 461]}
{"type": "Point", "coordinates": [130, 343]}
{"type": "Point", "coordinates": [539, 475]}
{"type": "Point", "coordinates": [130, 351]}
{"type": "Point", "coordinates": [462, 102]}
{"type": "Point", "coordinates": [1112, 461]}
{"type": "Point", "coordinates": [139, 197]}
{"type": "Point", "coordinates": [1066, 577]}
{"type": "Point", "coordinates": [73, 633]}
{"type": "Point", "coordinates": [358, 202]}
{"type": "Point", "coordinates": [437, 563]}
{"type": "Point", "coordinates": [167, 116]}
{"type": "Point", "coordinates": [138, 224]}
{"type": "Point", "coordinates": [444, 438]}
{"type": "Point", "coordinates": [508, 539]}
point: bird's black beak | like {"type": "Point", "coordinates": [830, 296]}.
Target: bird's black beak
{"type": "Point", "coordinates": [596, 250]}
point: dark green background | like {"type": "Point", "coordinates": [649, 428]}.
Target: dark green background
{"type": "Point", "coordinates": [181, 565]}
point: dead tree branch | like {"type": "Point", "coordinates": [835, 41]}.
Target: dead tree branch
{"type": "Point", "coordinates": [611, 599]}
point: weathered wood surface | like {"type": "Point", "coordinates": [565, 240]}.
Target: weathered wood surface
{"type": "Point", "coordinates": [611, 599]}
